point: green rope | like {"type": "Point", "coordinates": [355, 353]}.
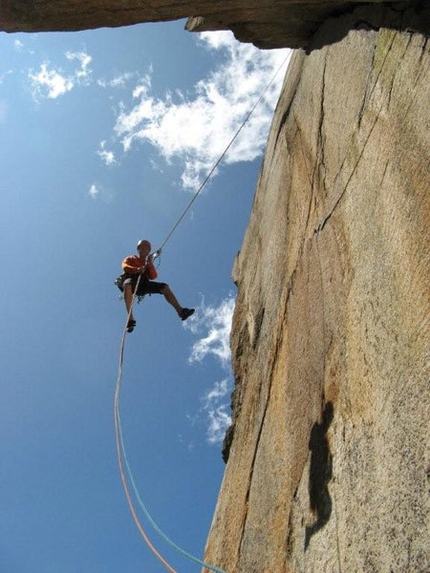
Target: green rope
{"type": "Point", "coordinates": [149, 516]}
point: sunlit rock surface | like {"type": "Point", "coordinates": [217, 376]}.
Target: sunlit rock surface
{"type": "Point", "coordinates": [329, 462]}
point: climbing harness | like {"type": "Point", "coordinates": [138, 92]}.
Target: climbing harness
{"type": "Point", "coordinates": [120, 446]}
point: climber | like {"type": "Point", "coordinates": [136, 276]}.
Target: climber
{"type": "Point", "coordinates": [143, 265]}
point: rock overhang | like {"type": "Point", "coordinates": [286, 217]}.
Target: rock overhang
{"type": "Point", "coordinates": [265, 23]}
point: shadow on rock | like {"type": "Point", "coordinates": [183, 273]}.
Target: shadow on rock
{"type": "Point", "coordinates": [320, 473]}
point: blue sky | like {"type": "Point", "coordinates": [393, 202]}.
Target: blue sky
{"type": "Point", "coordinates": [104, 135]}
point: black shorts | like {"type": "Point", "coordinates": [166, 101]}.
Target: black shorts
{"type": "Point", "coordinates": [145, 286]}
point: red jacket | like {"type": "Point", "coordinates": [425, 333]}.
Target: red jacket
{"type": "Point", "coordinates": [132, 264]}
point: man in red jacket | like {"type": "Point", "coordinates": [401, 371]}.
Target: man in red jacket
{"type": "Point", "coordinates": [142, 265]}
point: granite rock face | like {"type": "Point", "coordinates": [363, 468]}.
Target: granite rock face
{"type": "Point", "coordinates": [266, 23]}
{"type": "Point", "coordinates": [328, 456]}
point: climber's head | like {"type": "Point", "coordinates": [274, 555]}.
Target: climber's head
{"type": "Point", "coordinates": [144, 247]}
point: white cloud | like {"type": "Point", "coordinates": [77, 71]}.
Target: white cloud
{"type": "Point", "coordinates": [216, 322]}
{"type": "Point", "coordinates": [50, 83]}
{"type": "Point", "coordinates": [53, 83]}
{"type": "Point", "coordinates": [84, 72]}
{"type": "Point", "coordinates": [19, 46]}
{"type": "Point", "coordinates": [197, 129]}
{"type": "Point", "coordinates": [120, 80]}
{"type": "Point", "coordinates": [217, 411]}
{"type": "Point", "coordinates": [218, 392]}
{"type": "Point", "coordinates": [101, 193]}
{"type": "Point", "coordinates": [219, 421]}
{"type": "Point", "coordinates": [22, 47]}
{"type": "Point", "coordinates": [93, 191]}
{"type": "Point", "coordinates": [108, 157]}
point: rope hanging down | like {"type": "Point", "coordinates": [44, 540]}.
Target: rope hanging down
{"type": "Point", "coordinates": [122, 456]}
{"type": "Point", "coordinates": [120, 447]}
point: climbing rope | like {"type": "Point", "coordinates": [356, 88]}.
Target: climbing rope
{"type": "Point", "coordinates": [120, 446]}
{"type": "Point", "coordinates": [209, 175]}
{"type": "Point", "coordinates": [120, 450]}
{"type": "Point", "coordinates": [145, 510]}
{"type": "Point", "coordinates": [122, 456]}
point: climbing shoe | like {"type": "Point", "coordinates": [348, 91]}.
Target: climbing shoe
{"type": "Point", "coordinates": [186, 313]}
{"type": "Point", "coordinates": [130, 325]}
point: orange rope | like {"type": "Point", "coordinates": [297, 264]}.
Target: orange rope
{"type": "Point", "coordinates": [121, 469]}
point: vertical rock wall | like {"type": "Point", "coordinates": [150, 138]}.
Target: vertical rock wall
{"type": "Point", "coordinates": [328, 467]}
